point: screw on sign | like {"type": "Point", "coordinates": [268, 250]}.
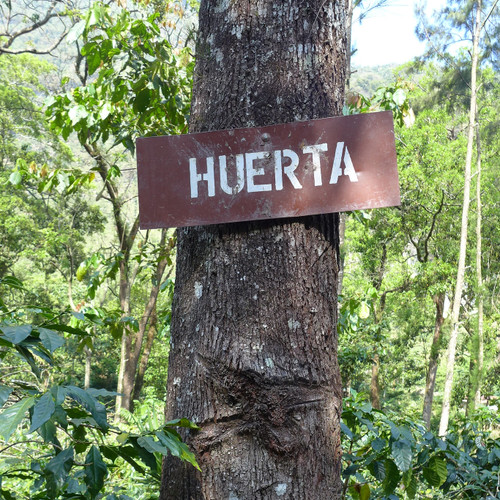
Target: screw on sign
{"type": "Point", "coordinates": [287, 170]}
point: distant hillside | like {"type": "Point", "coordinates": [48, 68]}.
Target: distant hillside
{"type": "Point", "coordinates": [367, 79]}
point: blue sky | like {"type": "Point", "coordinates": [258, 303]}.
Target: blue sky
{"type": "Point", "coordinates": [387, 34]}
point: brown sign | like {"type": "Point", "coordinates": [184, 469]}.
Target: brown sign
{"type": "Point", "coordinates": [302, 168]}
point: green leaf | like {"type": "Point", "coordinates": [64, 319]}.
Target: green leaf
{"type": "Point", "coordinates": [378, 444]}
{"type": "Point", "coordinates": [50, 339]}
{"type": "Point", "coordinates": [15, 178]}
{"type": "Point", "coordinates": [346, 431]}
{"type": "Point", "coordinates": [12, 416]}
{"type": "Point", "coordinates": [399, 97]}
{"type": "Point", "coordinates": [142, 100]}
{"type": "Point", "coordinates": [435, 473]}
{"type": "Point", "coordinates": [392, 477]}
{"type": "Point", "coordinates": [75, 32]}
{"type": "Point", "coordinates": [128, 453]}
{"type": "Point", "coordinates": [377, 469]}
{"type": "Point", "coordinates": [153, 446]}
{"type": "Point", "coordinates": [4, 394]}
{"type": "Point", "coordinates": [67, 329]}
{"type": "Point", "coordinates": [93, 60]}
{"type": "Point", "coordinates": [95, 471]}
{"type": "Point", "coordinates": [12, 282]}
{"type": "Point", "coordinates": [56, 471]}
{"type": "Point", "coordinates": [43, 410]}
{"type": "Point", "coordinates": [364, 492]}
{"type": "Point", "coordinates": [411, 487]}
{"type": "Point", "coordinates": [173, 442]}
{"type": "Point", "coordinates": [105, 111]}
{"type": "Point", "coordinates": [77, 113]}
{"type": "Point", "coordinates": [402, 454]}
{"type": "Point", "coordinates": [96, 409]}
{"type": "Point", "coordinates": [48, 431]}
{"type": "Point", "coordinates": [16, 334]}
{"type": "Point", "coordinates": [182, 422]}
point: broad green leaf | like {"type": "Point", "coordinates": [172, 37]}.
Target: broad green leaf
{"type": "Point", "coordinates": [346, 431]}
{"type": "Point", "coordinates": [145, 455]}
{"type": "Point", "coordinates": [29, 358]}
{"type": "Point", "coordinates": [364, 492]}
{"type": "Point", "coordinates": [56, 471]}
{"type": "Point", "coordinates": [377, 470]}
{"type": "Point", "coordinates": [399, 97]}
{"type": "Point", "coordinates": [173, 442]}
{"type": "Point", "coordinates": [402, 454]}
{"type": "Point", "coordinates": [4, 394]}
{"type": "Point", "coordinates": [95, 471]}
{"type": "Point", "coordinates": [392, 477]}
{"type": "Point", "coordinates": [12, 416]}
{"type": "Point", "coordinates": [96, 409]}
{"type": "Point", "coordinates": [142, 100]}
{"type": "Point", "coordinates": [48, 431]}
{"type": "Point", "coordinates": [75, 32]}
{"type": "Point", "coordinates": [67, 329]}
{"type": "Point", "coordinates": [378, 444]}
{"type": "Point", "coordinates": [93, 60]}
{"type": "Point", "coordinates": [77, 113]}
{"type": "Point", "coordinates": [105, 111]}
{"type": "Point", "coordinates": [42, 411]}
{"type": "Point", "coordinates": [59, 394]}
{"type": "Point", "coordinates": [12, 282]}
{"type": "Point", "coordinates": [128, 453]}
{"type": "Point", "coordinates": [435, 473]}
{"type": "Point", "coordinates": [16, 334]}
{"type": "Point", "coordinates": [15, 178]}
{"type": "Point", "coordinates": [411, 487]}
{"type": "Point", "coordinates": [364, 310]}
{"type": "Point", "coordinates": [153, 446]}
{"type": "Point", "coordinates": [50, 339]}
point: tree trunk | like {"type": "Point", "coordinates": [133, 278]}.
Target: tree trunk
{"type": "Point", "coordinates": [374, 382]}
{"type": "Point", "coordinates": [450, 365]}
{"type": "Point", "coordinates": [143, 363]}
{"type": "Point", "coordinates": [477, 352]}
{"type": "Point", "coordinates": [135, 350]}
{"type": "Point", "coordinates": [253, 357]}
{"type": "Point", "coordinates": [430, 382]}
{"type": "Point", "coordinates": [122, 399]}
{"type": "Point", "coordinates": [479, 278]}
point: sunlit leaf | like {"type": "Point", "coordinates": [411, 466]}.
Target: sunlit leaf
{"type": "Point", "coordinates": [12, 416]}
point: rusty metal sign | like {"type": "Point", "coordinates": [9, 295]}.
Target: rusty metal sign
{"type": "Point", "coordinates": [288, 170]}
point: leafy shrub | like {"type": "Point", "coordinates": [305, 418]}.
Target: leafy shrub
{"type": "Point", "coordinates": [57, 440]}
{"type": "Point", "coordinates": [391, 457]}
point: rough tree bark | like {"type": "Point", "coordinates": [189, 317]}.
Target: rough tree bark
{"type": "Point", "coordinates": [253, 356]}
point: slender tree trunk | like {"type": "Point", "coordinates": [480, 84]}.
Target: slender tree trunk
{"type": "Point", "coordinates": [374, 382]}
{"type": "Point", "coordinates": [122, 400]}
{"type": "Point", "coordinates": [253, 355]}
{"type": "Point", "coordinates": [143, 363]}
{"type": "Point", "coordinates": [430, 382]}
{"type": "Point", "coordinates": [134, 344]}
{"type": "Point", "coordinates": [450, 365]}
{"type": "Point", "coordinates": [477, 352]}
{"type": "Point", "coordinates": [378, 313]}
{"type": "Point", "coordinates": [88, 366]}
{"type": "Point", "coordinates": [479, 274]}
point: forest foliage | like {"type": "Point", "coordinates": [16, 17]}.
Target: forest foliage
{"type": "Point", "coordinates": [85, 296]}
